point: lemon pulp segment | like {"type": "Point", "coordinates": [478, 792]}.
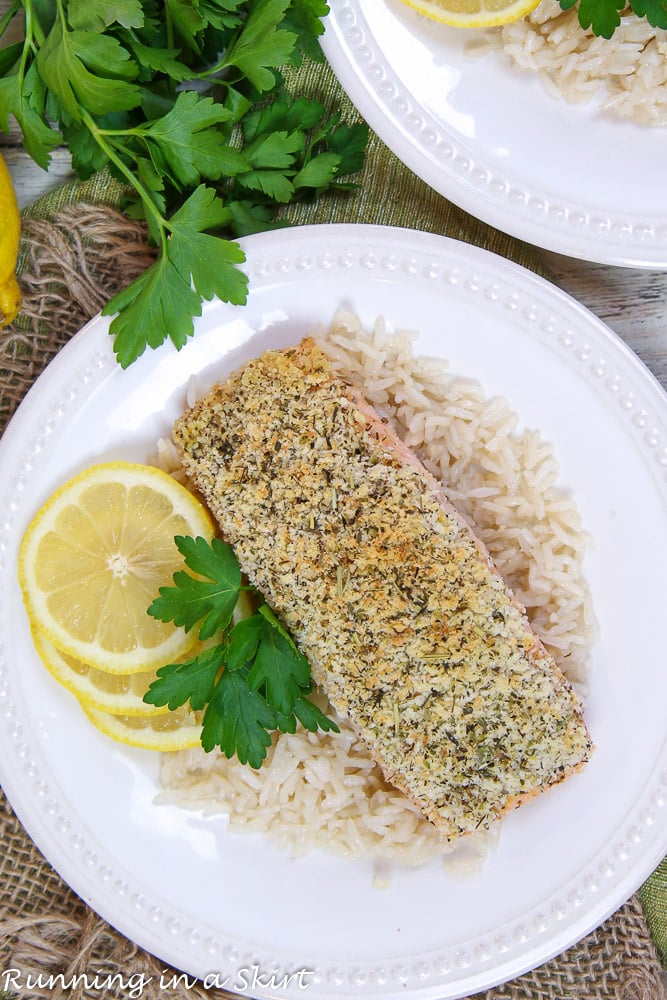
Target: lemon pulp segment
{"type": "Point", "coordinates": [94, 558]}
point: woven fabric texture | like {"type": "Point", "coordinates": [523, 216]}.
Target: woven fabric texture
{"type": "Point", "coordinates": [77, 250]}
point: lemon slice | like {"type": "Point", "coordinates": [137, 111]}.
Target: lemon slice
{"type": "Point", "coordinates": [94, 558]}
{"type": "Point", "coordinates": [473, 13]}
{"type": "Point", "coordinates": [119, 694]}
{"type": "Point", "coordinates": [177, 730]}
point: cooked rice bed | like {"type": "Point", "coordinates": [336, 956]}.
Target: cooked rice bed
{"type": "Point", "coordinates": [626, 73]}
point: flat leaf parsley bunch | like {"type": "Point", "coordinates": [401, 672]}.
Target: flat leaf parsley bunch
{"type": "Point", "coordinates": [183, 101]}
{"type": "Point", "coordinates": [252, 680]}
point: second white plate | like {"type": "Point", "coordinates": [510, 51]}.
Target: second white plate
{"type": "Point", "coordinates": [568, 178]}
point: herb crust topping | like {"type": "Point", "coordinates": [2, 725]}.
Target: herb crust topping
{"type": "Point", "coordinates": [407, 625]}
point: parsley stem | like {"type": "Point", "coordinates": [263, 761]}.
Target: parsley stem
{"type": "Point", "coordinates": [136, 131]}
{"type": "Point", "coordinates": [62, 16]}
{"type": "Point", "coordinates": [159, 227]}
{"type": "Point", "coordinates": [34, 35]}
{"type": "Point", "coordinates": [169, 24]}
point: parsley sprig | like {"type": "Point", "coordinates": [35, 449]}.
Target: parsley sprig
{"type": "Point", "coordinates": [253, 680]}
{"type": "Point", "coordinates": [604, 16]}
{"type": "Point", "coordinates": [186, 105]}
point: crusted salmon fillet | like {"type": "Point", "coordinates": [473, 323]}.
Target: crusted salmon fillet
{"type": "Point", "coordinates": [408, 626]}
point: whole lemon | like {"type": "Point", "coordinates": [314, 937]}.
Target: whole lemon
{"type": "Point", "coordinates": [10, 233]}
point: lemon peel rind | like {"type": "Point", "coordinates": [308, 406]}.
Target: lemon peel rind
{"type": "Point", "coordinates": [10, 301]}
{"type": "Point", "coordinates": [10, 235]}
{"type": "Point", "coordinates": [84, 691]}
{"type": "Point", "coordinates": [184, 738]}
{"type": "Point", "coordinates": [177, 641]}
{"type": "Point", "coordinates": [136, 662]}
{"type": "Point", "coordinates": [435, 12]}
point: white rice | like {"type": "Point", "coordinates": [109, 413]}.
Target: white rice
{"type": "Point", "coordinates": [322, 790]}
{"type": "Point", "coordinates": [626, 73]}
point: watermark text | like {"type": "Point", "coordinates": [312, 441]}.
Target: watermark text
{"type": "Point", "coordinates": [247, 979]}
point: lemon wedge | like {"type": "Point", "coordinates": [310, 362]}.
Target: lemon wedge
{"type": "Point", "coordinates": [10, 235]}
{"type": "Point", "coordinates": [473, 13]}
{"type": "Point", "coordinates": [94, 558]}
{"type": "Point", "coordinates": [177, 730]}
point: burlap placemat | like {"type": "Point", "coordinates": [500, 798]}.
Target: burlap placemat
{"type": "Point", "coordinates": [77, 250]}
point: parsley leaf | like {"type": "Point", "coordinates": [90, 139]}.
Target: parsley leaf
{"type": "Point", "coordinates": [23, 97]}
{"type": "Point", "coordinates": [212, 599]}
{"type": "Point", "coordinates": [187, 22]}
{"type": "Point", "coordinates": [160, 60]}
{"type": "Point", "coordinates": [253, 681]}
{"type": "Point", "coordinates": [349, 141]}
{"type": "Point", "coordinates": [305, 18]}
{"type": "Point", "coordinates": [262, 45]}
{"type": "Point", "coordinates": [98, 16]}
{"type": "Point", "coordinates": [159, 303]}
{"type": "Point", "coordinates": [238, 720]}
{"type": "Point", "coordinates": [244, 641]}
{"type": "Point", "coordinates": [278, 667]}
{"type": "Point", "coordinates": [185, 103]}
{"type": "Point", "coordinates": [9, 57]}
{"type": "Point", "coordinates": [162, 302]}
{"type": "Point", "coordinates": [282, 116]}
{"type": "Point", "coordinates": [312, 719]}
{"type": "Point", "coordinates": [318, 172]}
{"type": "Point", "coordinates": [82, 68]}
{"type": "Point", "coordinates": [192, 680]}
{"type": "Point", "coordinates": [603, 16]}
{"type": "Point", "coordinates": [655, 11]}
{"type": "Point", "coordinates": [210, 261]}
{"type": "Point", "coordinates": [183, 142]}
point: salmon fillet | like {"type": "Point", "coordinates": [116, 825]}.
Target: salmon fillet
{"type": "Point", "coordinates": [407, 625]}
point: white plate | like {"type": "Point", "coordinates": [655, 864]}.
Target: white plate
{"type": "Point", "coordinates": [564, 177]}
{"type": "Point", "coordinates": [211, 902]}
